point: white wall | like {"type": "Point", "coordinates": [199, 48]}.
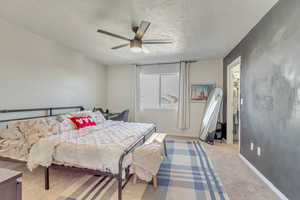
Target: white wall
{"type": "Point", "coordinates": [121, 89]}
{"type": "Point", "coordinates": [121, 94]}
{"type": "Point", "coordinates": [208, 71]}
{"type": "Point", "coordinates": [37, 72]}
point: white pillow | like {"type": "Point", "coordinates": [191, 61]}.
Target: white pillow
{"type": "Point", "coordinates": [65, 123]}
{"type": "Point", "coordinates": [11, 134]}
{"type": "Point", "coordinates": [96, 116]}
{"type": "Point", "coordinates": [80, 113]}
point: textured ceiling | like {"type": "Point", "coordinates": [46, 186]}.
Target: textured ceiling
{"type": "Point", "coordinates": [200, 28]}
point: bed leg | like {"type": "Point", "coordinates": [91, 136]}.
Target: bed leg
{"type": "Point", "coordinates": [127, 170]}
{"type": "Point", "coordinates": [120, 183]}
{"type": "Point", "coordinates": [120, 186]}
{"type": "Point", "coordinates": [46, 178]}
{"type": "Point", "coordinates": [165, 147]}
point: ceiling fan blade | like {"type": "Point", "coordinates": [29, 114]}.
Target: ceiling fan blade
{"type": "Point", "coordinates": [113, 35]}
{"type": "Point", "coordinates": [120, 46]}
{"type": "Point", "coordinates": [142, 29]}
{"type": "Point", "coordinates": [157, 42]}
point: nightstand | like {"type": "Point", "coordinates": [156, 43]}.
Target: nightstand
{"type": "Point", "coordinates": [10, 187]}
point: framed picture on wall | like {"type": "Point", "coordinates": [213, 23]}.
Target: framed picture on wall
{"type": "Point", "coordinates": [200, 92]}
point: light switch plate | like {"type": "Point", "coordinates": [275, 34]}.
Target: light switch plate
{"type": "Point", "coordinates": [242, 101]}
{"type": "Point", "coordinates": [258, 151]}
{"type": "Point", "coordinates": [251, 146]}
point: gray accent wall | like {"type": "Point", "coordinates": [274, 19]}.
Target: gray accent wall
{"type": "Point", "coordinates": [270, 87]}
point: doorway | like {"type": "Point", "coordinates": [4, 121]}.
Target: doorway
{"type": "Point", "coordinates": [233, 102]}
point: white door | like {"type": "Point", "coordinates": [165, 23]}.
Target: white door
{"type": "Point", "coordinates": [231, 69]}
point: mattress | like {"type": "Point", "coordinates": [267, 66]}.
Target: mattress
{"type": "Point", "coordinates": [97, 148]}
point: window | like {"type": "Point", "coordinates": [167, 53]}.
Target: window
{"type": "Point", "coordinates": [149, 91]}
{"type": "Point", "coordinates": [159, 90]}
{"type": "Point", "coordinates": [169, 90]}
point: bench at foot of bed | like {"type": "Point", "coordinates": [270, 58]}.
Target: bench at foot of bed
{"type": "Point", "coordinates": [148, 158]}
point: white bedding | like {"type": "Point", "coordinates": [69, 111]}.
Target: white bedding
{"type": "Point", "coordinates": [14, 149]}
{"type": "Point", "coordinates": [98, 147]}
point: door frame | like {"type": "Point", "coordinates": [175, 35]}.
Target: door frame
{"type": "Point", "coordinates": [229, 119]}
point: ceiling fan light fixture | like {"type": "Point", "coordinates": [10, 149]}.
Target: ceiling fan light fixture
{"type": "Point", "coordinates": [136, 49]}
{"type": "Point", "coordinates": [136, 46]}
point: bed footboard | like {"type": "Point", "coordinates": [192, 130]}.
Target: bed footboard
{"type": "Point", "coordinates": [126, 152]}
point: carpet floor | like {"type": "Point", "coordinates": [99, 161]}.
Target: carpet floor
{"type": "Point", "coordinates": [186, 173]}
{"type": "Point", "coordinates": [239, 181]}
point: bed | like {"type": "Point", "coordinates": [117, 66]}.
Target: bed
{"type": "Point", "coordinates": [104, 149]}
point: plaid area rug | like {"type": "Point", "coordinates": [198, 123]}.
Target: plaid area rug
{"type": "Point", "coordinates": [186, 173]}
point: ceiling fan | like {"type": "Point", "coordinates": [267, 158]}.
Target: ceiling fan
{"type": "Point", "coordinates": [136, 44]}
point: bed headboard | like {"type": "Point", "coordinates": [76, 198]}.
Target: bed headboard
{"type": "Point", "coordinates": [48, 112]}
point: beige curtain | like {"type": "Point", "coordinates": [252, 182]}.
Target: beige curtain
{"type": "Point", "coordinates": [183, 118]}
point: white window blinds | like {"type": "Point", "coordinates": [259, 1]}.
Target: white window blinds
{"type": "Point", "coordinates": [157, 86]}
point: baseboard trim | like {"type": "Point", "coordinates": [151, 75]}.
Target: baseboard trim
{"type": "Point", "coordinates": [264, 179]}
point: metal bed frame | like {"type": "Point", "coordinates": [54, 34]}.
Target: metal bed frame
{"type": "Point", "coordinates": [49, 112]}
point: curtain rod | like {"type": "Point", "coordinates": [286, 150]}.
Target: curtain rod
{"type": "Point", "coordinates": [166, 63]}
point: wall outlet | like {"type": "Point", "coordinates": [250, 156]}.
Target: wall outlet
{"type": "Point", "coordinates": [258, 151]}
{"type": "Point", "coordinates": [251, 146]}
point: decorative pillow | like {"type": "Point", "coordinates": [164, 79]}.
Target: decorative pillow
{"type": "Point", "coordinates": [83, 121]}
{"type": "Point", "coordinates": [96, 116]}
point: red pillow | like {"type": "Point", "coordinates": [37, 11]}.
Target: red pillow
{"type": "Point", "coordinates": [82, 121]}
